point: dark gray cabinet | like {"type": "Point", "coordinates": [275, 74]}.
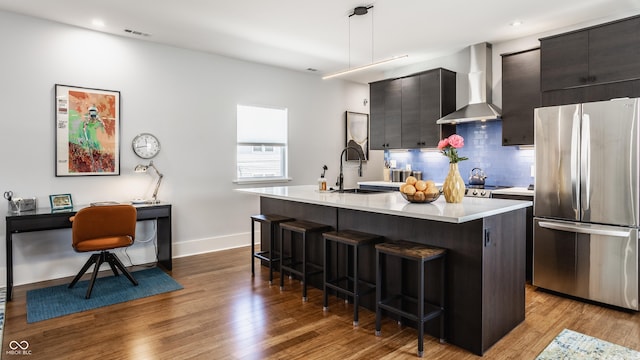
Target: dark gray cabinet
{"type": "Point", "coordinates": [404, 111]}
{"type": "Point", "coordinates": [432, 95]}
{"type": "Point", "coordinates": [520, 95]}
{"type": "Point", "coordinates": [592, 64]}
{"type": "Point", "coordinates": [529, 231]}
{"type": "Point", "coordinates": [386, 102]}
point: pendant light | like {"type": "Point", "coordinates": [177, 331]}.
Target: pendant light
{"type": "Point", "coordinates": [361, 10]}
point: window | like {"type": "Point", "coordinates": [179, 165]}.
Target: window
{"type": "Point", "coordinates": [262, 143]}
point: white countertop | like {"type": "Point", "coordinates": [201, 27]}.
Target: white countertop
{"type": "Point", "coordinates": [514, 191]}
{"type": "Point", "coordinates": [392, 203]}
{"type": "Point", "coordinates": [387, 184]}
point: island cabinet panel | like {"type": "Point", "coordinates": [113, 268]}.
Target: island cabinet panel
{"type": "Point", "coordinates": [485, 274]}
{"type": "Point", "coordinates": [529, 231]}
{"type": "Point", "coordinates": [300, 211]}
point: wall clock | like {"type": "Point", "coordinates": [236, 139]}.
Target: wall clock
{"type": "Point", "coordinates": [146, 145]}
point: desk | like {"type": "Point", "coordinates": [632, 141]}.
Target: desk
{"type": "Point", "coordinates": [45, 219]}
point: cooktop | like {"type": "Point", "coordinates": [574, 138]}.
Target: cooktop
{"type": "Point", "coordinates": [481, 190]}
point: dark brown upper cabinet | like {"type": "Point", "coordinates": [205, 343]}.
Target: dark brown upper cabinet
{"type": "Point", "coordinates": [520, 95]}
{"type": "Point", "coordinates": [591, 64]}
{"type": "Point", "coordinates": [404, 111]}
{"type": "Point", "coordinates": [432, 95]}
{"type": "Point", "coordinates": [386, 103]}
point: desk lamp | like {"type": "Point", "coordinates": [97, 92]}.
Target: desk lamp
{"type": "Point", "coordinates": [140, 168]}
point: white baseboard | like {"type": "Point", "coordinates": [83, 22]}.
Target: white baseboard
{"type": "Point", "coordinates": [69, 265]}
{"type": "Point", "coordinates": [202, 246]}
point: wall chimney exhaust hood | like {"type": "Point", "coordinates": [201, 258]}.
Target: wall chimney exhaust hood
{"type": "Point", "coordinates": [480, 107]}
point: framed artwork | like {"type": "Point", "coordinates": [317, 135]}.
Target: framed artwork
{"type": "Point", "coordinates": [87, 131]}
{"type": "Point", "coordinates": [61, 202]}
{"type": "Point", "coordinates": [357, 136]}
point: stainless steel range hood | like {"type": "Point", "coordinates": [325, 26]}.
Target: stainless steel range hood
{"type": "Point", "coordinates": [480, 107]}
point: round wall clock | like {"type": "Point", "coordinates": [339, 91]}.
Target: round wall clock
{"type": "Point", "coordinates": [146, 145]}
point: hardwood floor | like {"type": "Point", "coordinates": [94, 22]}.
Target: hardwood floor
{"type": "Point", "coordinates": [224, 313]}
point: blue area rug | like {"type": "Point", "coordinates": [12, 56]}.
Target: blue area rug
{"type": "Point", "coordinates": [576, 346]}
{"type": "Point", "coordinates": [55, 301]}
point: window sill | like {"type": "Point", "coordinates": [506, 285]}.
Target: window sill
{"type": "Point", "coordinates": [261, 181]}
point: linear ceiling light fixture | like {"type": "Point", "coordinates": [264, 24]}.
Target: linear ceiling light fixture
{"type": "Point", "coordinates": [361, 10]}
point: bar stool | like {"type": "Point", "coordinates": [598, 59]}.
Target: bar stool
{"type": "Point", "coordinates": [274, 222]}
{"type": "Point", "coordinates": [348, 285]}
{"type": "Point", "coordinates": [291, 264]}
{"type": "Point", "coordinates": [425, 311]}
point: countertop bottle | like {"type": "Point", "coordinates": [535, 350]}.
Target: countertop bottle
{"type": "Point", "coordinates": [322, 184]}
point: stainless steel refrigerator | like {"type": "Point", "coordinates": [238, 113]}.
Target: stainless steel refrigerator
{"type": "Point", "coordinates": [586, 204]}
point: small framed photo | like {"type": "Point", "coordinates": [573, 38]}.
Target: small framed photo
{"type": "Point", "coordinates": [61, 202]}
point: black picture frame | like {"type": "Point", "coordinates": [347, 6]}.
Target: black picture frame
{"type": "Point", "coordinates": [357, 135]}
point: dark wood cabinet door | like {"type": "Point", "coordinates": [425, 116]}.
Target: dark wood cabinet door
{"type": "Point", "coordinates": [430, 108]}
{"type": "Point", "coordinates": [520, 96]}
{"type": "Point", "coordinates": [404, 111]}
{"type": "Point", "coordinates": [564, 96]}
{"type": "Point", "coordinates": [376, 128]}
{"type": "Point", "coordinates": [393, 114]}
{"type": "Point", "coordinates": [411, 112]}
{"type": "Point", "coordinates": [614, 52]}
{"type": "Point", "coordinates": [437, 98]}
{"type": "Point", "coordinates": [564, 61]}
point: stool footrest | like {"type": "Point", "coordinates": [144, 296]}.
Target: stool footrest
{"type": "Point", "coordinates": [390, 304]}
{"type": "Point", "coordinates": [345, 284]}
{"type": "Point", "coordinates": [297, 268]}
{"type": "Point", "coordinates": [264, 255]}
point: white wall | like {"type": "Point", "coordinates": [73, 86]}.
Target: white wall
{"type": "Point", "coordinates": [186, 98]}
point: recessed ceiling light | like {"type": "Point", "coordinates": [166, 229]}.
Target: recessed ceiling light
{"type": "Point", "coordinates": [516, 23]}
{"type": "Point", "coordinates": [97, 22]}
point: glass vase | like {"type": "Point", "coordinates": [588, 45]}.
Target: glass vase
{"type": "Point", "coordinates": [453, 187]}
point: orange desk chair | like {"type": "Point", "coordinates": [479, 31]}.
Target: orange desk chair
{"type": "Point", "coordinates": [102, 228]}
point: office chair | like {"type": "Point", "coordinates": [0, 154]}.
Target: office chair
{"type": "Point", "coordinates": [102, 228]}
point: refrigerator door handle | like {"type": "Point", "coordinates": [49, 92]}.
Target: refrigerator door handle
{"type": "Point", "coordinates": [585, 163]}
{"type": "Point", "coordinates": [585, 229]}
{"type": "Point", "coordinates": [575, 154]}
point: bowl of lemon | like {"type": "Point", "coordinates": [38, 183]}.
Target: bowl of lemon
{"type": "Point", "coordinates": [419, 191]}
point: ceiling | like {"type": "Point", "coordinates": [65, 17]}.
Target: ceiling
{"type": "Point", "coordinates": [299, 35]}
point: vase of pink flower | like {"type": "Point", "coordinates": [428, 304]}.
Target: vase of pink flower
{"type": "Point", "coordinates": [453, 187]}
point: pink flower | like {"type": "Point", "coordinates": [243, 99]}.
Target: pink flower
{"type": "Point", "coordinates": [449, 148]}
{"type": "Point", "coordinates": [456, 141]}
{"type": "Point", "coordinates": [443, 143]}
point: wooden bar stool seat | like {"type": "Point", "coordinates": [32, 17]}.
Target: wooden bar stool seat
{"type": "Point", "coordinates": [348, 284]}
{"type": "Point", "coordinates": [395, 303]}
{"type": "Point", "coordinates": [290, 263]}
{"type": "Point", "coordinates": [268, 255]}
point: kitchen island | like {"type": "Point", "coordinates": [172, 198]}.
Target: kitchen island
{"type": "Point", "coordinates": [485, 239]}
